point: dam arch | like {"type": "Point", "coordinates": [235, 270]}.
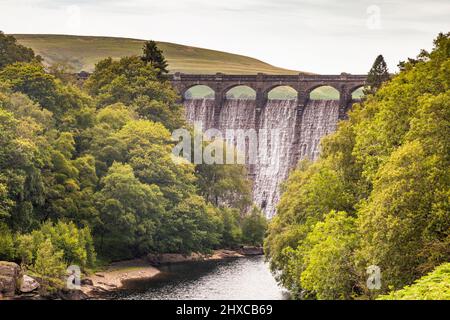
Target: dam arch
{"type": "Point", "coordinates": [357, 92]}
{"type": "Point", "coordinates": [281, 92]}
{"type": "Point", "coordinates": [198, 91]}
{"type": "Point", "coordinates": [239, 91]}
{"type": "Point", "coordinates": [324, 92]}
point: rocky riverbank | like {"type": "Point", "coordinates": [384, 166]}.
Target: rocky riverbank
{"type": "Point", "coordinates": [100, 283]}
{"type": "Point", "coordinates": [16, 285]}
{"type": "Point", "coordinates": [113, 278]}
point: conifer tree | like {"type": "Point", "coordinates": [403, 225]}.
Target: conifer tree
{"type": "Point", "coordinates": [377, 75]}
{"type": "Point", "coordinates": [154, 56]}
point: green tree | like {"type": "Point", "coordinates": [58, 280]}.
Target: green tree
{"type": "Point", "coordinates": [23, 156]}
{"type": "Point", "coordinates": [31, 79]}
{"type": "Point", "coordinates": [136, 84]}
{"type": "Point", "coordinates": [224, 184]}
{"type": "Point", "coordinates": [328, 258]}
{"type": "Point", "coordinates": [231, 232]}
{"type": "Point", "coordinates": [155, 57]}
{"type": "Point", "coordinates": [377, 75]}
{"type": "Point", "coordinates": [387, 168]}
{"type": "Point", "coordinates": [75, 243]}
{"type": "Point", "coordinates": [49, 267]}
{"type": "Point", "coordinates": [433, 286]}
{"type": "Point", "coordinates": [254, 226]}
{"type": "Point", "coordinates": [130, 213]}
{"type": "Point", "coordinates": [7, 248]}
{"type": "Point", "coordinates": [43, 88]}
{"type": "Point", "coordinates": [192, 226]}
{"type": "Point", "coordinates": [11, 51]}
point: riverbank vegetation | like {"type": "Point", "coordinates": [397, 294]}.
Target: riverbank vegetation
{"type": "Point", "coordinates": [87, 172]}
{"type": "Point", "coordinates": [379, 195]}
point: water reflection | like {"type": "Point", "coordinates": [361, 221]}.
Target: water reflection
{"type": "Point", "coordinates": [242, 279]}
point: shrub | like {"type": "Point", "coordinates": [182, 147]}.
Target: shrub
{"type": "Point", "coordinates": [49, 267]}
{"type": "Point", "coordinates": [254, 227]}
{"type": "Point", "coordinates": [75, 244]}
{"type": "Point", "coordinates": [433, 286]}
{"type": "Point", "coordinates": [7, 251]}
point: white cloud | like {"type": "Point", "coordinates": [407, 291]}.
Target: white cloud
{"type": "Point", "coordinates": [321, 36]}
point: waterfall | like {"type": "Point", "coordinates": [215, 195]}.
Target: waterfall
{"type": "Point", "coordinates": [279, 148]}
{"type": "Point", "coordinates": [200, 110]}
{"type": "Point", "coordinates": [319, 118]}
{"type": "Point", "coordinates": [278, 120]}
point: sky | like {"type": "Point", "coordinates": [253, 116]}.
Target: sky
{"type": "Point", "coordinates": [321, 36]}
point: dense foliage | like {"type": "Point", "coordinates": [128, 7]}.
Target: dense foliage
{"type": "Point", "coordinates": [433, 286]}
{"type": "Point", "coordinates": [11, 51]}
{"type": "Point", "coordinates": [379, 195]}
{"type": "Point", "coordinates": [90, 170]}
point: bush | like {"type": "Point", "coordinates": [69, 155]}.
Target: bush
{"type": "Point", "coordinates": [254, 227]}
{"type": "Point", "coordinates": [49, 267]}
{"type": "Point", "coordinates": [75, 244]}
{"type": "Point", "coordinates": [7, 251]}
{"type": "Point", "coordinates": [232, 233]}
{"type": "Point", "coordinates": [433, 286]}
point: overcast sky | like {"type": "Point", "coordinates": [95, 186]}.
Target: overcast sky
{"type": "Point", "coordinates": [322, 36]}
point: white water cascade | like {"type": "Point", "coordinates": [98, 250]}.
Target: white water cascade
{"type": "Point", "coordinates": [278, 125]}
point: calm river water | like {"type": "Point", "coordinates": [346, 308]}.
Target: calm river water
{"type": "Point", "coordinates": [243, 278]}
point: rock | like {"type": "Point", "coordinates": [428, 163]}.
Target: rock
{"type": "Point", "coordinates": [72, 295]}
{"type": "Point", "coordinates": [28, 284]}
{"type": "Point", "coordinates": [252, 251]}
{"type": "Point", "coordinates": [168, 258]}
{"type": "Point", "coordinates": [87, 282]}
{"type": "Point", "coordinates": [9, 276]}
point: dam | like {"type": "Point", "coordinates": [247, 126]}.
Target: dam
{"type": "Point", "coordinates": [300, 122]}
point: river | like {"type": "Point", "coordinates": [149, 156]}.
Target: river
{"type": "Point", "coordinates": [246, 278]}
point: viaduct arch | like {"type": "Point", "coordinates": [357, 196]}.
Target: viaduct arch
{"type": "Point", "coordinates": [304, 84]}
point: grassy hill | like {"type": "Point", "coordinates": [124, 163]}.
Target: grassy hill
{"type": "Point", "coordinates": [82, 53]}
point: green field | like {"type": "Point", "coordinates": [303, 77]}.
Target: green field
{"type": "Point", "coordinates": [82, 53]}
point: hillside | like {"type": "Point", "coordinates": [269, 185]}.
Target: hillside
{"type": "Point", "coordinates": [83, 52]}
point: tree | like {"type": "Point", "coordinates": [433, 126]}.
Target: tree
{"type": "Point", "coordinates": [49, 267]}
{"type": "Point", "coordinates": [43, 88]}
{"type": "Point", "coordinates": [377, 75]}
{"type": "Point", "coordinates": [11, 52]}
{"type": "Point", "coordinates": [224, 184]}
{"type": "Point", "coordinates": [74, 243]}
{"type": "Point", "coordinates": [254, 226]}
{"type": "Point", "coordinates": [32, 80]}
{"type": "Point", "coordinates": [136, 84]}
{"type": "Point", "coordinates": [154, 56]}
{"type": "Point", "coordinates": [232, 233]}
{"type": "Point", "coordinates": [23, 157]}
{"type": "Point", "coordinates": [130, 213]}
{"type": "Point", "coordinates": [386, 169]}
{"type": "Point", "coordinates": [327, 257]}
{"type": "Point", "coordinates": [192, 226]}
{"type": "Point", "coordinates": [433, 286]}
{"type": "Point", "coordinates": [7, 248]}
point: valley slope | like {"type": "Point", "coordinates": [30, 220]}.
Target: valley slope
{"type": "Point", "coordinates": [83, 52]}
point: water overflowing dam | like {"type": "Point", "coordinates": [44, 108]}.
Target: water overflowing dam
{"type": "Point", "coordinates": [297, 136]}
{"type": "Point", "coordinates": [291, 129]}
